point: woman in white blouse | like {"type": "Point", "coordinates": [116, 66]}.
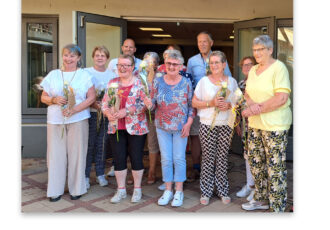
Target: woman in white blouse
{"type": "Point", "coordinates": [215, 141]}
{"type": "Point", "coordinates": [67, 126]}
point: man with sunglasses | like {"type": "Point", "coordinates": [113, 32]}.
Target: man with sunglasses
{"type": "Point", "coordinates": [198, 67]}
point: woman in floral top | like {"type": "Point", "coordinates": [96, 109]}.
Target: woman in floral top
{"type": "Point", "coordinates": [171, 96]}
{"type": "Point", "coordinates": [132, 127]}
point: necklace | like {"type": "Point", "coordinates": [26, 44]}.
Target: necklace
{"type": "Point", "coordinates": [218, 81]}
{"type": "Point", "coordinates": [71, 77]}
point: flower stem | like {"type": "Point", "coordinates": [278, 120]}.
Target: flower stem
{"type": "Point", "coordinates": [149, 116]}
{"type": "Point", "coordinates": [117, 136]}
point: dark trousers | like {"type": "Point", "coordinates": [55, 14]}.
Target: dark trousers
{"type": "Point", "coordinates": [96, 145]}
{"type": "Point", "coordinates": [128, 145]}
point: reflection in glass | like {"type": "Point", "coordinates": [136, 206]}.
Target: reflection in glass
{"type": "Point", "coordinates": [285, 52]}
{"type": "Point", "coordinates": [246, 37]}
{"type": "Point", "coordinates": [40, 59]}
{"type": "Point", "coordinates": [100, 34]}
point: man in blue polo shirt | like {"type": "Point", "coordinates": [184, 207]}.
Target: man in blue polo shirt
{"type": "Point", "coordinates": [198, 67]}
{"type": "Point", "coordinates": [128, 48]}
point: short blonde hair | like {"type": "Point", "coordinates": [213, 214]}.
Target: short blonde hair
{"type": "Point", "coordinates": [101, 49]}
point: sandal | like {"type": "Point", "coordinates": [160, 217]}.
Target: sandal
{"type": "Point", "coordinates": [151, 179]}
{"type": "Point", "coordinates": [205, 200]}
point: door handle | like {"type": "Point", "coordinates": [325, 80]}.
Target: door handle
{"type": "Point", "coordinates": [82, 21]}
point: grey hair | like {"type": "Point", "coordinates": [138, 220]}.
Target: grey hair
{"type": "Point", "coordinates": [206, 33]}
{"type": "Point", "coordinates": [219, 54]}
{"type": "Point", "coordinates": [174, 54]}
{"type": "Point", "coordinates": [153, 55]}
{"type": "Point", "coordinates": [264, 40]}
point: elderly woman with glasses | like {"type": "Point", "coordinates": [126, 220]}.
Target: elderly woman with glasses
{"type": "Point", "coordinates": [68, 92]}
{"type": "Point", "coordinates": [269, 114]}
{"type": "Point", "coordinates": [248, 189]}
{"type": "Point", "coordinates": [216, 129]}
{"type": "Point", "coordinates": [128, 126]}
{"type": "Point", "coordinates": [171, 96]}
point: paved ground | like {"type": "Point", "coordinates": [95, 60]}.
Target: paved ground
{"type": "Point", "coordinates": [34, 185]}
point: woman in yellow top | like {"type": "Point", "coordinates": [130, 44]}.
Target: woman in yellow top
{"type": "Point", "coordinates": [268, 110]}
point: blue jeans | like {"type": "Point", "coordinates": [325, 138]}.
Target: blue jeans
{"type": "Point", "coordinates": [173, 153]}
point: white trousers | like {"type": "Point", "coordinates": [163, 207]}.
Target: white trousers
{"type": "Point", "coordinates": [67, 154]}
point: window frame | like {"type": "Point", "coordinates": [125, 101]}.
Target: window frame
{"type": "Point", "coordinates": [31, 18]}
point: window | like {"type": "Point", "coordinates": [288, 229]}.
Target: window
{"type": "Point", "coordinates": [39, 57]}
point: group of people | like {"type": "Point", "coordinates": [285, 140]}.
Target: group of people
{"type": "Point", "coordinates": [134, 100]}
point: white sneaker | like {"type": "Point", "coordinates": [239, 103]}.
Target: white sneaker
{"type": "Point", "coordinates": [120, 194]}
{"type": "Point", "coordinates": [226, 199]}
{"type": "Point", "coordinates": [178, 199]}
{"type": "Point", "coordinates": [250, 197]}
{"type": "Point", "coordinates": [165, 198]}
{"type": "Point", "coordinates": [244, 192]}
{"type": "Point", "coordinates": [162, 187]}
{"type": "Point", "coordinates": [137, 195]}
{"type": "Point", "coordinates": [102, 181]}
{"type": "Point", "coordinates": [253, 205]}
{"type": "Point", "coordinates": [87, 183]}
{"type": "Point", "coordinates": [111, 171]}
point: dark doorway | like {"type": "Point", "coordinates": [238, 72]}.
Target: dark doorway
{"type": "Point", "coordinates": [182, 34]}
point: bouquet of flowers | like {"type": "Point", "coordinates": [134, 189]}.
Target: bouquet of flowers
{"type": "Point", "coordinates": [239, 104]}
{"type": "Point", "coordinates": [70, 97]}
{"type": "Point", "coordinates": [99, 95]}
{"type": "Point", "coordinates": [114, 103]}
{"type": "Point", "coordinates": [146, 73]}
{"type": "Point", "coordinates": [221, 93]}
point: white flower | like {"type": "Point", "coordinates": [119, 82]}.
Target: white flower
{"type": "Point", "coordinates": [143, 64]}
{"type": "Point", "coordinates": [159, 74]}
{"type": "Point", "coordinates": [224, 84]}
{"type": "Point", "coordinates": [114, 85]}
{"type": "Point", "coordinates": [238, 93]}
{"type": "Point", "coordinates": [66, 83]}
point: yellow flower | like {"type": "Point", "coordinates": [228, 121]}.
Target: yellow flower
{"type": "Point", "coordinates": [66, 83]}
{"type": "Point", "coordinates": [224, 84]}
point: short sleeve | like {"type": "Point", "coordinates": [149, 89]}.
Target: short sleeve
{"type": "Point", "coordinates": [281, 79]}
{"type": "Point", "coordinates": [45, 84]}
{"type": "Point", "coordinates": [198, 90]}
{"type": "Point", "coordinates": [89, 80]}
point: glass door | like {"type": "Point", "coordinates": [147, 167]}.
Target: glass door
{"type": "Point", "coordinates": [95, 30]}
{"type": "Point", "coordinates": [244, 33]}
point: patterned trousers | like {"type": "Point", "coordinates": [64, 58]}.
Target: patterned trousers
{"type": "Point", "coordinates": [215, 146]}
{"type": "Point", "coordinates": [267, 155]}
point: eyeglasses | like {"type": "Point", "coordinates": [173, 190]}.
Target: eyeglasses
{"type": "Point", "coordinates": [247, 65]}
{"type": "Point", "coordinates": [214, 63]}
{"type": "Point", "coordinates": [258, 50]}
{"type": "Point", "coordinates": [121, 66]}
{"type": "Point", "coordinates": [168, 64]}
